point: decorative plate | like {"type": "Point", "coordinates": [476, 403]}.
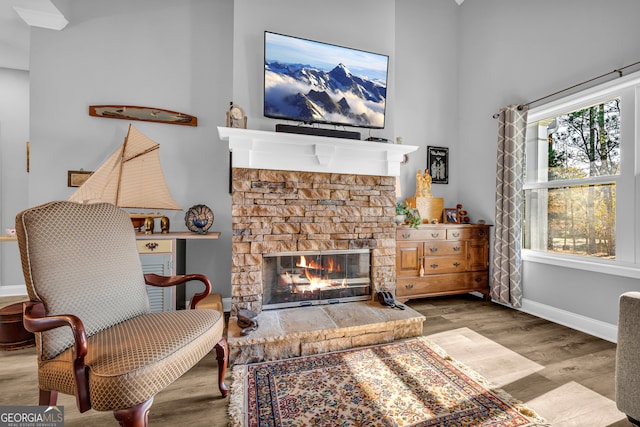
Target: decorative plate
{"type": "Point", "coordinates": [199, 219]}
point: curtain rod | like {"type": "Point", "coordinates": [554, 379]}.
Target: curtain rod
{"type": "Point", "coordinates": [618, 71]}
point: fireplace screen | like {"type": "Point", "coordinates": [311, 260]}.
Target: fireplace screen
{"type": "Point", "coordinates": [309, 278]}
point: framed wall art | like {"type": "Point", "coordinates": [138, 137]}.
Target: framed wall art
{"type": "Point", "coordinates": [77, 178]}
{"type": "Point", "coordinates": [438, 164]}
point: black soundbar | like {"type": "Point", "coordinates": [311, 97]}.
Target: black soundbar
{"type": "Point", "coordinates": [307, 130]}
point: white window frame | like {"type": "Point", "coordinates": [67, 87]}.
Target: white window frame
{"type": "Point", "coordinates": [627, 262]}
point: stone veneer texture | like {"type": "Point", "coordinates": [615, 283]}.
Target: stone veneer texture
{"type": "Point", "coordinates": [287, 211]}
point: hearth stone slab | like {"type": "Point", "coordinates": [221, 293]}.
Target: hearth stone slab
{"type": "Point", "coordinates": [303, 331]}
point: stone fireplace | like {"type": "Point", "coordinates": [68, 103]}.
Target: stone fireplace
{"type": "Point", "coordinates": [299, 194]}
{"type": "Point", "coordinates": [289, 211]}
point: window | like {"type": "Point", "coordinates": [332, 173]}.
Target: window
{"type": "Point", "coordinates": [579, 175]}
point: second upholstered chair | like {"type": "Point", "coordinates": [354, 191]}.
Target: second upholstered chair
{"type": "Point", "coordinates": [628, 357]}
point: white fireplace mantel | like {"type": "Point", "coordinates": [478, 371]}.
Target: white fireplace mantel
{"type": "Point", "coordinates": [255, 149]}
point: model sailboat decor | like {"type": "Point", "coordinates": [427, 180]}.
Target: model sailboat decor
{"type": "Point", "coordinates": [131, 177]}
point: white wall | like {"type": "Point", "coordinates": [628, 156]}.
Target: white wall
{"type": "Point", "coordinates": [156, 53]}
{"type": "Point", "coordinates": [14, 40]}
{"type": "Point", "coordinates": [427, 88]}
{"type": "Point", "coordinates": [515, 51]}
{"type": "Point", "coordinates": [14, 134]}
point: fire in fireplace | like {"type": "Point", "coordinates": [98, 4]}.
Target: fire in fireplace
{"type": "Point", "coordinates": [296, 279]}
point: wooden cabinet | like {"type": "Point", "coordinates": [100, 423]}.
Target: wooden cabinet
{"type": "Point", "coordinates": [442, 259]}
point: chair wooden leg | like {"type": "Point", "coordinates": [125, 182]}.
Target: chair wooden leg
{"type": "Point", "coordinates": [48, 398]}
{"type": "Point", "coordinates": [136, 416]}
{"type": "Point", "coordinates": [222, 354]}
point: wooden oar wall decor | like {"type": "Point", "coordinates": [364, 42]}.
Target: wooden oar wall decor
{"type": "Point", "coordinates": [146, 114]}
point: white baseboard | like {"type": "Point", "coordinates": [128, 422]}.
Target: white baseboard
{"type": "Point", "coordinates": [597, 328]}
{"type": "Point", "coordinates": [13, 290]}
{"type": "Point", "coordinates": [226, 304]}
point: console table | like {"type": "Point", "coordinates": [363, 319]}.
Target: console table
{"type": "Point", "coordinates": [442, 259]}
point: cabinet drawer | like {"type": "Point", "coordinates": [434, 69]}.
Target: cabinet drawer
{"type": "Point", "coordinates": [413, 234]}
{"type": "Point", "coordinates": [437, 248]}
{"type": "Point", "coordinates": [467, 233]}
{"type": "Point", "coordinates": [442, 284]}
{"type": "Point", "coordinates": [444, 264]}
{"type": "Point", "coordinates": [153, 246]}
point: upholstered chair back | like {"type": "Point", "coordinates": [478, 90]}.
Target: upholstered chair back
{"type": "Point", "coordinates": [99, 279]}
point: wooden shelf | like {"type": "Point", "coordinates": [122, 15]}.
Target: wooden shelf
{"type": "Point", "coordinates": [186, 235]}
{"type": "Point", "coordinates": [182, 235]}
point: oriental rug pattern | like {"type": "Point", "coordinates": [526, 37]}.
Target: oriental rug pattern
{"type": "Point", "coordinates": [406, 383]}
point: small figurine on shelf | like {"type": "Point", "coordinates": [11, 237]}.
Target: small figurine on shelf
{"type": "Point", "coordinates": [423, 184]}
{"type": "Point", "coordinates": [149, 224]}
{"type": "Point", "coordinates": [164, 224]}
{"type": "Point", "coordinates": [236, 118]}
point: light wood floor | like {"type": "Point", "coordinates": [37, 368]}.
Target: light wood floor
{"type": "Point", "coordinates": [565, 375]}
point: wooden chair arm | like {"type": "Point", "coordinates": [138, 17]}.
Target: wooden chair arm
{"type": "Point", "coordinates": [36, 320]}
{"type": "Point", "coordinates": [162, 281]}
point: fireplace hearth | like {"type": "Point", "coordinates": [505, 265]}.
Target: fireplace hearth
{"type": "Point", "coordinates": [297, 279]}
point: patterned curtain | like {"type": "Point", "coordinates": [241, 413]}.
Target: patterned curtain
{"type": "Point", "coordinates": [506, 286]}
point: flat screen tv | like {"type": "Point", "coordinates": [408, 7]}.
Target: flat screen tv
{"type": "Point", "coordinates": [313, 82]}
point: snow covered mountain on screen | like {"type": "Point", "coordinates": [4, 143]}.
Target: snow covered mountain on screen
{"type": "Point", "coordinates": [307, 94]}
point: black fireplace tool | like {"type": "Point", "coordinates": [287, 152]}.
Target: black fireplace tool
{"type": "Point", "coordinates": [386, 298]}
{"type": "Point", "coordinates": [247, 321]}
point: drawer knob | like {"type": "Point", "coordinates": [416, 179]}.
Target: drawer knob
{"type": "Point", "coordinates": [434, 266]}
{"type": "Point", "coordinates": [478, 279]}
{"type": "Point", "coordinates": [406, 235]}
{"type": "Point", "coordinates": [409, 286]}
{"type": "Point", "coordinates": [481, 233]}
{"type": "Point", "coordinates": [151, 245]}
{"type": "Point", "coordinates": [455, 234]}
{"type": "Point", "coordinates": [435, 234]}
{"type": "Point", "coordinates": [433, 249]}
{"type": "Point", "coordinates": [456, 264]}
{"type": "Point", "coordinates": [457, 248]}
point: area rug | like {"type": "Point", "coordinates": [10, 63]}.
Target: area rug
{"type": "Point", "coordinates": [406, 383]}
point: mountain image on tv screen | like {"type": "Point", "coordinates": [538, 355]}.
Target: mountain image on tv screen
{"type": "Point", "coordinates": [313, 82]}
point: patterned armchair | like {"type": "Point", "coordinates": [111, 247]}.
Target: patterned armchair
{"type": "Point", "coordinates": [96, 338]}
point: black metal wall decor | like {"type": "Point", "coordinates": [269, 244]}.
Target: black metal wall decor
{"type": "Point", "coordinates": [438, 164]}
